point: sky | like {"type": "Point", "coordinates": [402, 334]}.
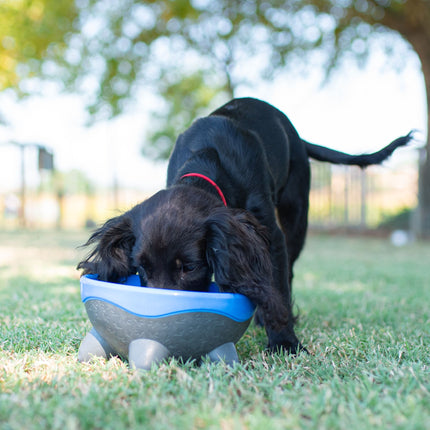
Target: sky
{"type": "Point", "coordinates": [358, 110]}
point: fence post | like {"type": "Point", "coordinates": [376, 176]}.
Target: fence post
{"type": "Point", "coordinates": [346, 197]}
{"type": "Point", "coordinates": [330, 195]}
{"type": "Point", "coordinates": [363, 178]}
{"type": "Point", "coordinates": [22, 219]}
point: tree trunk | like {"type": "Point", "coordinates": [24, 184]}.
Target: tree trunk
{"type": "Point", "coordinates": [412, 22]}
{"type": "Point", "coordinates": [421, 223]}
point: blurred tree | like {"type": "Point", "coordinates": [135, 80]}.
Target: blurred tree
{"type": "Point", "coordinates": [186, 98]}
{"type": "Point", "coordinates": [34, 37]}
{"type": "Point", "coordinates": [356, 22]}
{"type": "Point", "coordinates": [192, 49]}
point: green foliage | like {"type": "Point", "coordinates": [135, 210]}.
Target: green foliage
{"type": "Point", "coordinates": [364, 316]}
{"type": "Point", "coordinates": [33, 39]}
{"type": "Point", "coordinates": [397, 221]}
{"type": "Point", "coordinates": [110, 50]}
{"type": "Point", "coordinates": [186, 98]}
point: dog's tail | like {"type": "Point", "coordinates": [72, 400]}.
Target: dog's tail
{"type": "Point", "coordinates": [322, 153]}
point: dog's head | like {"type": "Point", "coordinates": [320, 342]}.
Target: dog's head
{"type": "Point", "coordinates": [178, 238]}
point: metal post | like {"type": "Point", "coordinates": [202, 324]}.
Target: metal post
{"type": "Point", "coordinates": [346, 198]}
{"type": "Point", "coordinates": [363, 214]}
{"type": "Point", "coordinates": [22, 219]}
{"type": "Point", "coordinates": [46, 161]}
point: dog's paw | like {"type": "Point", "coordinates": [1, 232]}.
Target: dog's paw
{"type": "Point", "coordinates": [290, 346]}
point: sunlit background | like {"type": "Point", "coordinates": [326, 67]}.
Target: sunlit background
{"type": "Point", "coordinates": [100, 167]}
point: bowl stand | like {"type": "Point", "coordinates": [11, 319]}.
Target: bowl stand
{"type": "Point", "coordinates": [146, 341]}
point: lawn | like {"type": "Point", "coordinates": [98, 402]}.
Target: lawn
{"type": "Point", "coordinates": [365, 318]}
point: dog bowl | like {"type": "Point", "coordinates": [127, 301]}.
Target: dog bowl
{"type": "Point", "coordinates": [148, 325]}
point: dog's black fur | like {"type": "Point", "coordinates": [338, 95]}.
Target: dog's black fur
{"type": "Point", "coordinates": [184, 234]}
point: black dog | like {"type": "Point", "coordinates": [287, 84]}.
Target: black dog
{"type": "Point", "coordinates": [235, 207]}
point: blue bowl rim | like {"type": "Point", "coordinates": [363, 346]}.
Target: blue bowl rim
{"type": "Point", "coordinates": [158, 303]}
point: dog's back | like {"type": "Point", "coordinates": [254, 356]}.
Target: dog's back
{"type": "Point", "coordinates": [246, 132]}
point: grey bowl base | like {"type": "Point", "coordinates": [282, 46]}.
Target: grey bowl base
{"type": "Point", "coordinates": [146, 341]}
{"type": "Point", "coordinates": [144, 353]}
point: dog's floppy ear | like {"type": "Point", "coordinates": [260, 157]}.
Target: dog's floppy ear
{"type": "Point", "coordinates": [238, 252]}
{"type": "Point", "coordinates": [111, 257]}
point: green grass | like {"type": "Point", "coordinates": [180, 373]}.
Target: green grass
{"type": "Point", "coordinates": [365, 317]}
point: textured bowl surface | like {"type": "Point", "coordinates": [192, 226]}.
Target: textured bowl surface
{"type": "Point", "coordinates": [157, 303]}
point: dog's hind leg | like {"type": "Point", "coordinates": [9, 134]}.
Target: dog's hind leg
{"type": "Point", "coordinates": [285, 338]}
{"type": "Point", "coordinates": [292, 213]}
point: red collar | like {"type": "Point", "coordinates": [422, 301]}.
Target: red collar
{"type": "Point", "coordinates": [199, 175]}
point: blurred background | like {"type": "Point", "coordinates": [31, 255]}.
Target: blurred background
{"type": "Point", "coordinates": [93, 94]}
